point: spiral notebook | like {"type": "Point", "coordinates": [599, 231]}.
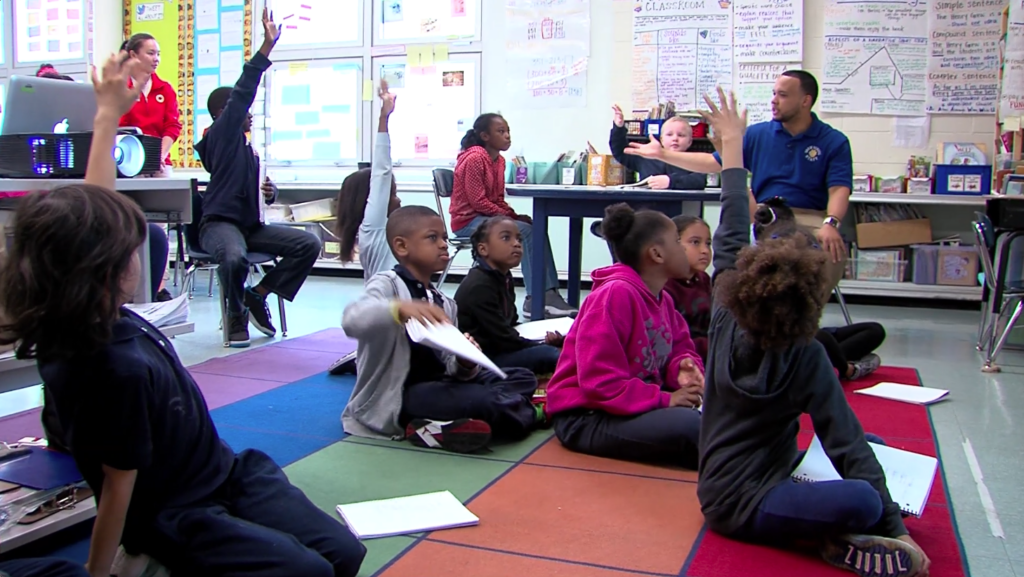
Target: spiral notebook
{"type": "Point", "coordinates": [909, 476]}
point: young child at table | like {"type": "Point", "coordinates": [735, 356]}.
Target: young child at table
{"type": "Point", "coordinates": [365, 200]}
{"type": "Point", "coordinates": [487, 301]}
{"type": "Point", "coordinates": [676, 134]}
{"type": "Point", "coordinates": [478, 193]}
{"type": "Point", "coordinates": [408, 390]}
{"type": "Point", "coordinates": [850, 348]}
{"type": "Point", "coordinates": [629, 381]}
{"type": "Point", "coordinates": [692, 295]}
{"type": "Point", "coordinates": [166, 485]}
{"type": "Point", "coordinates": [764, 370]}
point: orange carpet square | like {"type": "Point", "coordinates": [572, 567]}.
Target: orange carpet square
{"type": "Point", "coordinates": [430, 559]}
{"type": "Point", "coordinates": [616, 521]}
{"type": "Point", "coordinates": [553, 454]}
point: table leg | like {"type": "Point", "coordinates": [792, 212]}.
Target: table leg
{"type": "Point", "coordinates": [539, 257]}
{"type": "Point", "coordinates": [143, 290]}
{"type": "Point", "coordinates": [575, 259]}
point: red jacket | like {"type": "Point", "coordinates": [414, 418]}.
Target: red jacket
{"type": "Point", "coordinates": [157, 113]}
{"type": "Point", "coordinates": [479, 188]}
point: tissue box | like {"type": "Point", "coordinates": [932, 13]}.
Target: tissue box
{"type": "Point", "coordinates": [604, 170]}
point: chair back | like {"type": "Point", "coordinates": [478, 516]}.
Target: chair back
{"type": "Point", "coordinates": [192, 230]}
{"type": "Point", "coordinates": [985, 238]}
{"type": "Point", "coordinates": [444, 182]}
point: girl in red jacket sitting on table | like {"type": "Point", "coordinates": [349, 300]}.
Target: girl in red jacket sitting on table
{"type": "Point", "coordinates": [478, 193]}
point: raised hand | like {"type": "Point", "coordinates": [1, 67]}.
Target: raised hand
{"type": "Point", "coordinates": [725, 118]}
{"type": "Point", "coordinates": [271, 32]}
{"type": "Point", "coordinates": [113, 95]}
{"type": "Point", "coordinates": [617, 116]}
{"type": "Point", "coordinates": [387, 100]}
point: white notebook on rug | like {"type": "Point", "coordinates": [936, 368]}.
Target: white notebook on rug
{"type": "Point", "coordinates": [905, 393]}
{"type": "Point", "coordinates": [406, 515]}
{"type": "Point", "coordinates": [909, 476]}
{"type": "Point", "coordinates": [448, 337]}
{"type": "Point", "coordinates": [538, 330]}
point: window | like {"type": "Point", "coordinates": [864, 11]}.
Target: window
{"type": "Point", "coordinates": [436, 106]}
{"type": "Point", "coordinates": [315, 115]}
{"type": "Point", "coordinates": [3, 35]}
{"type": "Point", "coordinates": [3, 101]}
{"type": "Point", "coordinates": [49, 31]}
{"type": "Point", "coordinates": [401, 21]}
{"type": "Point", "coordinates": [310, 23]}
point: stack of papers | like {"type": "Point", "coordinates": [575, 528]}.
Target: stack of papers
{"type": "Point", "coordinates": [165, 314]}
{"type": "Point", "coordinates": [447, 337]}
{"type": "Point", "coordinates": [905, 393]}
{"type": "Point", "coordinates": [538, 330]}
{"type": "Point", "coordinates": [406, 515]}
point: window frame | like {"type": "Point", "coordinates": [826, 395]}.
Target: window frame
{"type": "Point", "coordinates": [315, 51]}
{"type": "Point", "coordinates": [69, 66]}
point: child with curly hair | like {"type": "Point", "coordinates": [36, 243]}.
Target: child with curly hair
{"type": "Point", "coordinates": [764, 370]}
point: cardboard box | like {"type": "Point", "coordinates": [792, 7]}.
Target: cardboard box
{"type": "Point", "coordinates": [957, 266]}
{"type": "Point", "coordinates": [895, 233]}
{"type": "Point", "coordinates": [604, 170]}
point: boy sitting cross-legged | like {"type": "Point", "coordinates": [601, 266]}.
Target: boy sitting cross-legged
{"type": "Point", "coordinates": [405, 389]}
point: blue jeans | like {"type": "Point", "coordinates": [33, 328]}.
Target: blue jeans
{"type": "Point", "coordinates": [551, 276]}
{"type": "Point", "coordinates": [540, 359]}
{"type": "Point", "coordinates": [158, 249]}
{"type": "Point", "coordinates": [793, 511]}
{"type": "Point", "coordinates": [42, 568]}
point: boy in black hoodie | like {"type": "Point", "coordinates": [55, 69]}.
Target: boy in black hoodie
{"type": "Point", "coordinates": [764, 370]}
{"type": "Point", "coordinates": [231, 226]}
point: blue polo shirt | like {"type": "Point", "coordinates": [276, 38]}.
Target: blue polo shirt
{"type": "Point", "coordinates": [799, 168]}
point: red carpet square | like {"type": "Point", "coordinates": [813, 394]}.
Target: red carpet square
{"type": "Point", "coordinates": [553, 454]}
{"type": "Point", "coordinates": [616, 521]}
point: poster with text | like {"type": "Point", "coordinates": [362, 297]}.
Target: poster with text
{"type": "Point", "coordinates": [681, 49]}
{"type": "Point", "coordinates": [547, 81]}
{"type": "Point", "coordinates": [768, 30]}
{"type": "Point", "coordinates": [49, 31]}
{"type": "Point", "coordinates": [1011, 92]}
{"type": "Point", "coordinates": [876, 56]}
{"type": "Point", "coordinates": [963, 64]}
{"type": "Point", "coordinates": [547, 26]}
{"type": "Point", "coordinates": [755, 87]}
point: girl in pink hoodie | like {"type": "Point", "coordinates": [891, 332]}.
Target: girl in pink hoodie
{"type": "Point", "coordinates": [629, 382]}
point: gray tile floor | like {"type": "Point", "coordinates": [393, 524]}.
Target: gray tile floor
{"type": "Point", "coordinates": [983, 421]}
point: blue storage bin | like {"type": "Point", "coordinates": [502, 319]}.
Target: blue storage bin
{"type": "Point", "coordinates": [963, 179]}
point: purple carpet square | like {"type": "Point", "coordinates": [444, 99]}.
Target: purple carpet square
{"type": "Point", "coordinates": [269, 364]}
{"type": "Point", "coordinates": [19, 425]}
{"type": "Point", "coordinates": [220, 390]}
{"type": "Point", "coordinates": [326, 341]}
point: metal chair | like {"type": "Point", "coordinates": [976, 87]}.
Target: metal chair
{"type": "Point", "coordinates": [842, 305]}
{"type": "Point", "coordinates": [1000, 300]}
{"type": "Point", "coordinates": [444, 179]}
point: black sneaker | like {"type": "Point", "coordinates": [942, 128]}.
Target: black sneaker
{"type": "Point", "coordinates": [164, 295]}
{"type": "Point", "coordinates": [259, 312]}
{"type": "Point", "coordinates": [346, 365]}
{"type": "Point", "coordinates": [871, 556]}
{"type": "Point", "coordinates": [459, 436]}
{"type": "Point", "coordinates": [238, 332]}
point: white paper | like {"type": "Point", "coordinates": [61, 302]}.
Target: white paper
{"type": "Point", "coordinates": [1011, 97]}
{"type": "Point", "coordinates": [876, 56]}
{"type": "Point", "coordinates": [680, 52]}
{"type": "Point", "coordinates": [768, 30]}
{"type": "Point", "coordinates": [230, 67]}
{"type": "Point", "coordinates": [205, 84]}
{"type": "Point", "coordinates": [535, 82]}
{"type": "Point", "coordinates": [406, 515]}
{"type": "Point", "coordinates": [538, 330]}
{"type": "Point", "coordinates": [905, 393]}
{"type": "Point", "coordinates": [911, 131]}
{"type": "Point", "coordinates": [908, 476]}
{"type": "Point", "coordinates": [447, 337]}
{"type": "Point", "coordinates": [206, 14]}
{"type": "Point", "coordinates": [207, 50]}
{"type": "Point", "coordinates": [163, 314]}
{"type": "Point", "coordinates": [755, 87]}
{"type": "Point", "coordinates": [231, 29]}
{"type": "Point", "coordinates": [7, 355]}
{"type": "Point", "coordinates": [963, 64]}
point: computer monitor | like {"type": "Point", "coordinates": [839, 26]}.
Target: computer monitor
{"type": "Point", "coordinates": [47, 105]}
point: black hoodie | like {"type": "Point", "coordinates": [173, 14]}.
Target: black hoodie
{"type": "Point", "coordinates": [487, 310]}
{"type": "Point", "coordinates": [678, 178]}
{"type": "Point", "coordinates": [233, 194]}
{"type": "Point", "coordinates": [753, 402]}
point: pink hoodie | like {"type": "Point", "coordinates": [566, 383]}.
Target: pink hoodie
{"type": "Point", "coordinates": [623, 349]}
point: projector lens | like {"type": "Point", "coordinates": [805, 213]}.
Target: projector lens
{"type": "Point", "coordinates": [129, 155]}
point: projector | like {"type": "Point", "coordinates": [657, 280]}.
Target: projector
{"type": "Point", "coordinates": [65, 155]}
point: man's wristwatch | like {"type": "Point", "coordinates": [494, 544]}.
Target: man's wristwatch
{"type": "Point", "coordinates": [832, 221]}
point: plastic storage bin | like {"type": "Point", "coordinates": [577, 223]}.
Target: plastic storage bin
{"type": "Point", "coordinates": [963, 179]}
{"type": "Point", "coordinates": [312, 211]}
{"type": "Point", "coordinates": [948, 265]}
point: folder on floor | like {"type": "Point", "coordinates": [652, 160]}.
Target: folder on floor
{"type": "Point", "coordinates": [41, 469]}
{"type": "Point", "coordinates": [905, 393]}
{"type": "Point", "coordinates": [538, 330]}
{"type": "Point", "coordinates": [406, 515]}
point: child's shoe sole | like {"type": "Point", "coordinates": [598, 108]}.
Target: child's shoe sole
{"type": "Point", "coordinates": [459, 436]}
{"type": "Point", "coordinates": [871, 556]}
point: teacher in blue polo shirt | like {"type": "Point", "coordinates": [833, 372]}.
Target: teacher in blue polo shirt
{"type": "Point", "coordinates": [795, 156]}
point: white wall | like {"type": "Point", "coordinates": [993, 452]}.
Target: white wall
{"type": "Point", "coordinates": [108, 28]}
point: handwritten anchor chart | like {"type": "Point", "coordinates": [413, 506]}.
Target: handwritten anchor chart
{"type": "Point", "coordinates": [547, 50]}
{"type": "Point", "coordinates": [876, 57]}
{"type": "Point", "coordinates": [681, 49]}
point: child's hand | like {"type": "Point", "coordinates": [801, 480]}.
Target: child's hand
{"type": "Point", "coordinates": [271, 32]}
{"type": "Point", "coordinates": [387, 100]}
{"type": "Point", "coordinates": [425, 313]}
{"type": "Point", "coordinates": [470, 338]}
{"type": "Point", "coordinates": [726, 119]}
{"type": "Point", "coordinates": [659, 182]}
{"type": "Point", "coordinates": [691, 397]}
{"type": "Point", "coordinates": [555, 339]}
{"type": "Point", "coordinates": [617, 117]}
{"type": "Point", "coordinates": [111, 85]}
{"type": "Point", "coordinates": [689, 374]}
{"type": "Point", "coordinates": [269, 189]}
{"type": "Point", "coordinates": [652, 149]}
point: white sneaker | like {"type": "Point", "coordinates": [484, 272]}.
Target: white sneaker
{"type": "Point", "coordinates": [126, 565]}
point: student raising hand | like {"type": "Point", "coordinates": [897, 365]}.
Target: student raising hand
{"type": "Point", "coordinates": [271, 32]}
{"type": "Point", "coordinates": [617, 118]}
{"type": "Point", "coordinates": [113, 96]}
{"type": "Point", "coordinates": [387, 100]}
{"type": "Point", "coordinates": [729, 124]}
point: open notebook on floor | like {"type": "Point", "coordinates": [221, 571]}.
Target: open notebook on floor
{"type": "Point", "coordinates": [538, 330]}
{"type": "Point", "coordinates": [447, 337]}
{"type": "Point", "coordinates": [909, 476]}
{"type": "Point", "coordinates": [905, 393]}
{"type": "Point", "coordinates": [406, 515]}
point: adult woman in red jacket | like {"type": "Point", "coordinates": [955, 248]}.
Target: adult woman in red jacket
{"type": "Point", "coordinates": [156, 111]}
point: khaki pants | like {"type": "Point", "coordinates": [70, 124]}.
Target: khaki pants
{"type": "Point", "coordinates": [811, 221]}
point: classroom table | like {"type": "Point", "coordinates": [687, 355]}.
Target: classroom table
{"type": "Point", "coordinates": [579, 202]}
